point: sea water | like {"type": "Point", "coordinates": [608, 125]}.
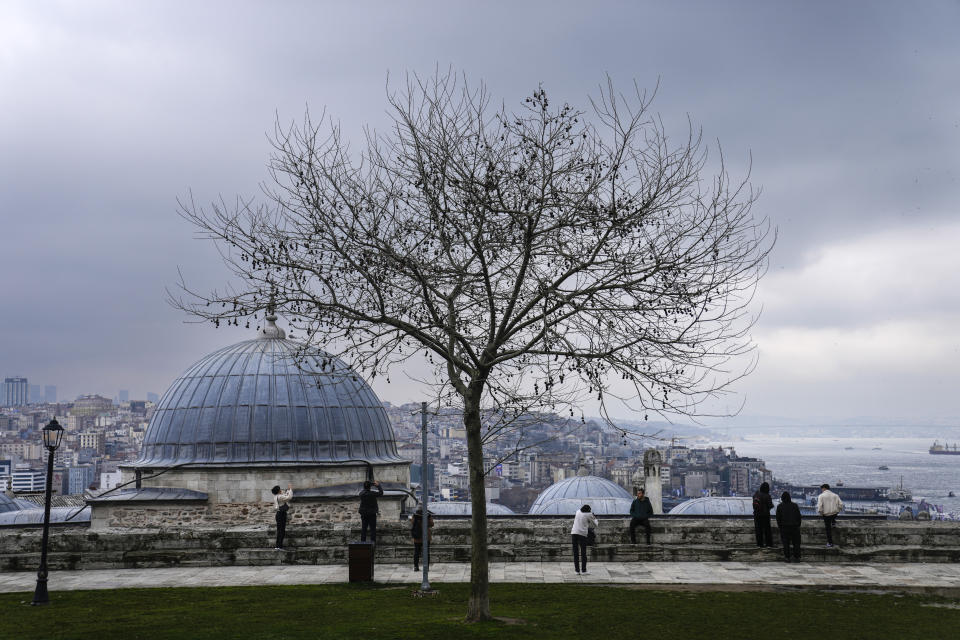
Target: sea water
{"type": "Point", "coordinates": [855, 462]}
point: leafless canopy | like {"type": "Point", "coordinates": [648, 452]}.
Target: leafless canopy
{"type": "Point", "coordinates": [537, 257]}
{"type": "Point", "coordinates": [550, 254]}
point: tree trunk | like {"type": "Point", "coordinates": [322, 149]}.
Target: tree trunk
{"type": "Point", "coordinates": [478, 608]}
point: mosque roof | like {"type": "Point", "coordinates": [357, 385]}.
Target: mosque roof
{"type": "Point", "coordinates": [268, 401]}
{"type": "Point", "coordinates": [458, 508]}
{"type": "Point", "coordinates": [601, 494]}
{"type": "Point", "coordinates": [570, 506]}
{"type": "Point", "coordinates": [34, 515]}
{"type": "Point", "coordinates": [581, 486]}
{"type": "Point", "coordinates": [13, 504]}
{"type": "Point", "coordinates": [715, 506]}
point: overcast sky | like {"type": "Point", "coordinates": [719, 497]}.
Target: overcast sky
{"type": "Point", "coordinates": [850, 111]}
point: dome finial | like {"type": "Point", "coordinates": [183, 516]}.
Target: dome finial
{"type": "Point", "coordinates": [270, 330]}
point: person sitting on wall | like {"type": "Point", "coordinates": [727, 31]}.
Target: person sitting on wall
{"type": "Point", "coordinates": [281, 506]}
{"type": "Point", "coordinates": [640, 511]}
{"type": "Point", "coordinates": [369, 510]}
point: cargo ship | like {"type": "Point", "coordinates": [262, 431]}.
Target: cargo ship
{"type": "Point", "coordinates": [944, 449]}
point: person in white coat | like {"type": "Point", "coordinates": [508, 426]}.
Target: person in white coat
{"type": "Point", "coordinates": [828, 506]}
{"type": "Point", "coordinates": [582, 522]}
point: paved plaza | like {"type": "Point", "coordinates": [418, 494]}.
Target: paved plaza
{"type": "Point", "coordinates": [935, 577]}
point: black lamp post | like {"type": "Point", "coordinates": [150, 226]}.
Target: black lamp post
{"type": "Point", "coordinates": [52, 434]}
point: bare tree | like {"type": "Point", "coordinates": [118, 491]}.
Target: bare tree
{"type": "Point", "coordinates": [537, 258]}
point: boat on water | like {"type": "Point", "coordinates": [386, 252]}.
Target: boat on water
{"type": "Point", "coordinates": [899, 494]}
{"type": "Point", "coordinates": [883, 467]}
{"type": "Point", "coordinates": [944, 449]}
{"type": "Point", "coordinates": [848, 448]}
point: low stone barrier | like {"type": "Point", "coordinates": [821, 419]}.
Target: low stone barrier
{"type": "Point", "coordinates": [511, 538]}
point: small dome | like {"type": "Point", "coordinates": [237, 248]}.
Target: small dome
{"type": "Point", "coordinates": [13, 504]}
{"type": "Point", "coordinates": [464, 508]}
{"type": "Point", "coordinates": [715, 506]}
{"type": "Point", "coordinates": [254, 403]}
{"type": "Point", "coordinates": [583, 489]}
{"type": "Point", "coordinates": [570, 506]}
{"type": "Point", "coordinates": [35, 515]}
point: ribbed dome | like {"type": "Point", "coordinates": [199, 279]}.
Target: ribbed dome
{"type": "Point", "coordinates": [715, 506]}
{"type": "Point", "coordinates": [251, 403]}
{"type": "Point", "coordinates": [582, 489]}
{"type": "Point", "coordinates": [13, 504]}
{"type": "Point", "coordinates": [570, 506]}
{"type": "Point", "coordinates": [457, 508]}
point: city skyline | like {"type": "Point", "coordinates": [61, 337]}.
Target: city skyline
{"type": "Point", "coordinates": [113, 111]}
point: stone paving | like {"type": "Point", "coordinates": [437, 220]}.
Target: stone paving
{"type": "Point", "coordinates": [939, 577]}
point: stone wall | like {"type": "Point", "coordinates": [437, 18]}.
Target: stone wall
{"type": "Point", "coordinates": [511, 538]}
{"type": "Point", "coordinates": [223, 515]}
{"type": "Point", "coordinates": [251, 485]}
{"type": "Point", "coordinates": [239, 496]}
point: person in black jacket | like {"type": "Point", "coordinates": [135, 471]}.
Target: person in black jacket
{"type": "Point", "coordinates": [762, 504]}
{"type": "Point", "coordinates": [416, 531]}
{"type": "Point", "coordinates": [788, 521]}
{"type": "Point", "coordinates": [369, 510]}
{"type": "Point", "coordinates": [640, 512]}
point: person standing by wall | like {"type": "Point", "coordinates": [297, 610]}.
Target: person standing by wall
{"type": "Point", "coordinates": [369, 510]}
{"type": "Point", "coordinates": [416, 531]}
{"type": "Point", "coordinates": [581, 525]}
{"type": "Point", "coordinates": [640, 512]}
{"type": "Point", "coordinates": [828, 506]}
{"type": "Point", "coordinates": [762, 505]}
{"type": "Point", "coordinates": [788, 522]}
{"type": "Point", "coordinates": [281, 505]}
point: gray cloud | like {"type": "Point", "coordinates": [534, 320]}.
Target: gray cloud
{"type": "Point", "coordinates": [109, 111]}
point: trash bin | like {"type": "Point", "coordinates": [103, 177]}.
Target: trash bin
{"type": "Point", "coordinates": [360, 561]}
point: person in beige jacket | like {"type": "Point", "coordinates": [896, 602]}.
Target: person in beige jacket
{"type": "Point", "coordinates": [829, 505]}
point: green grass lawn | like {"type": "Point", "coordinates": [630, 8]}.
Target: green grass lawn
{"type": "Point", "coordinates": [523, 611]}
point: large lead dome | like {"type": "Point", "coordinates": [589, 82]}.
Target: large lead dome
{"type": "Point", "coordinates": [251, 403]}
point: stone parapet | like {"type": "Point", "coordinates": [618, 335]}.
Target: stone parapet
{"type": "Point", "coordinates": [511, 538]}
{"type": "Point", "coordinates": [238, 496]}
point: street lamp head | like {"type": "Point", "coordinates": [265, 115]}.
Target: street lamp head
{"type": "Point", "coordinates": [52, 434]}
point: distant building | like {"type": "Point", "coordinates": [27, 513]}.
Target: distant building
{"type": "Point", "coordinates": [61, 478]}
{"type": "Point", "coordinates": [36, 394]}
{"type": "Point", "coordinates": [91, 440]}
{"type": "Point", "coordinates": [92, 405]}
{"type": "Point", "coordinates": [26, 479]}
{"type": "Point", "coordinates": [123, 396]}
{"type": "Point", "coordinates": [152, 397]}
{"type": "Point", "coordinates": [16, 392]}
{"type": "Point", "coordinates": [80, 478]}
{"type": "Point", "coordinates": [110, 479]}
{"type": "Point", "coordinates": [6, 469]}
{"type": "Point", "coordinates": [22, 449]}
{"type": "Point", "coordinates": [50, 394]}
